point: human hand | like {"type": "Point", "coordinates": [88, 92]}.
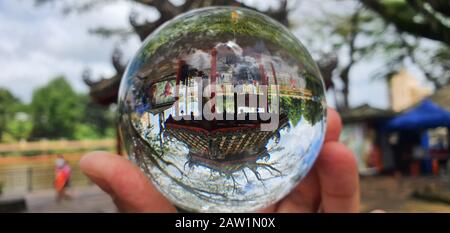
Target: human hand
{"type": "Point", "coordinates": [332, 185]}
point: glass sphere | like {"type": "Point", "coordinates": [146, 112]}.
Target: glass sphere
{"type": "Point", "coordinates": [223, 109]}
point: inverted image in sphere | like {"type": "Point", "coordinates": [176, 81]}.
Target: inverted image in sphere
{"type": "Point", "coordinates": [223, 109]}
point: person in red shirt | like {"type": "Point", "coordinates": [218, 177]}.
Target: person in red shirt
{"type": "Point", "coordinates": [62, 178]}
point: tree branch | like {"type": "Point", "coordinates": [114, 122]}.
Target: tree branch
{"type": "Point", "coordinates": [143, 30]}
{"type": "Point", "coordinates": [166, 8]}
{"type": "Point", "coordinates": [168, 11]}
{"type": "Point", "coordinates": [117, 61]}
{"type": "Point", "coordinates": [345, 73]}
{"type": "Point", "coordinates": [435, 23]}
{"type": "Point", "coordinates": [405, 24]}
{"type": "Point", "coordinates": [441, 6]}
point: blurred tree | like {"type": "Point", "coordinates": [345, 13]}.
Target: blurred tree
{"type": "Point", "coordinates": [18, 128]}
{"type": "Point", "coordinates": [9, 107]}
{"type": "Point", "coordinates": [345, 29]}
{"type": "Point", "coordinates": [59, 112]}
{"type": "Point", "coordinates": [98, 118]}
{"type": "Point", "coordinates": [359, 35]}
{"type": "Point", "coordinates": [420, 19]}
{"type": "Point", "coordinates": [55, 110]}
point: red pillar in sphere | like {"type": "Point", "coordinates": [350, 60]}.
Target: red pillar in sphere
{"type": "Point", "coordinates": [213, 77]}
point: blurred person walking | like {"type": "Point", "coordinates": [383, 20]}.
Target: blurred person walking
{"type": "Point", "coordinates": [63, 174]}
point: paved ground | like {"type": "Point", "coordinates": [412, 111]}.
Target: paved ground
{"type": "Point", "coordinates": [386, 193]}
{"type": "Point", "coordinates": [86, 199]}
{"type": "Point", "coordinates": [395, 194]}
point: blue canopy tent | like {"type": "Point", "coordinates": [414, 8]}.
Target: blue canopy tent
{"type": "Point", "coordinates": [426, 115]}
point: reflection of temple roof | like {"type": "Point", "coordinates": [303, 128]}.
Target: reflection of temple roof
{"type": "Point", "coordinates": [222, 140]}
{"type": "Point", "coordinates": [229, 166]}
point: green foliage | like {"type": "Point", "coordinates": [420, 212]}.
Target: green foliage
{"type": "Point", "coordinates": [400, 8]}
{"type": "Point", "coordinates": [17, 129]}
{"type": "Point", "coordinates": [9, 107]}
{"type": "Point", "coordinates": [290, 106]}
{"type": "Point", "coordinates": [86, 131]}
{"type": "Point", "coordinates": [55, 110]}
{"type": "Point", "coordinates": [99, 118]}
{"type": "Point", "coordinates": [313, 111]}
{"type": "Point", "coordinates": [110, 132]}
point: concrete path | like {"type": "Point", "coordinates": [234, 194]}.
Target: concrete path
{"type": "Point", "coordinates": [84, 200]}
{"type": "Point", "coordinates": [386, 193]}
{"type": "Point", "coordinates": [394, 195]}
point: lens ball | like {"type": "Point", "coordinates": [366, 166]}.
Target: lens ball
{"type": "Point", "coordinates": [223, 109]}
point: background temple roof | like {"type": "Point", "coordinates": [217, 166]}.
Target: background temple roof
{"type": "Point", "coordinates": [366, 113]}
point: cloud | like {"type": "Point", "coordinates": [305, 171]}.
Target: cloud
{"type": "Point", "coordinates": [39, 43]}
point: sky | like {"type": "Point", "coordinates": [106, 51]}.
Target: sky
{"type": "Point", "coordinates": [40, 43]}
